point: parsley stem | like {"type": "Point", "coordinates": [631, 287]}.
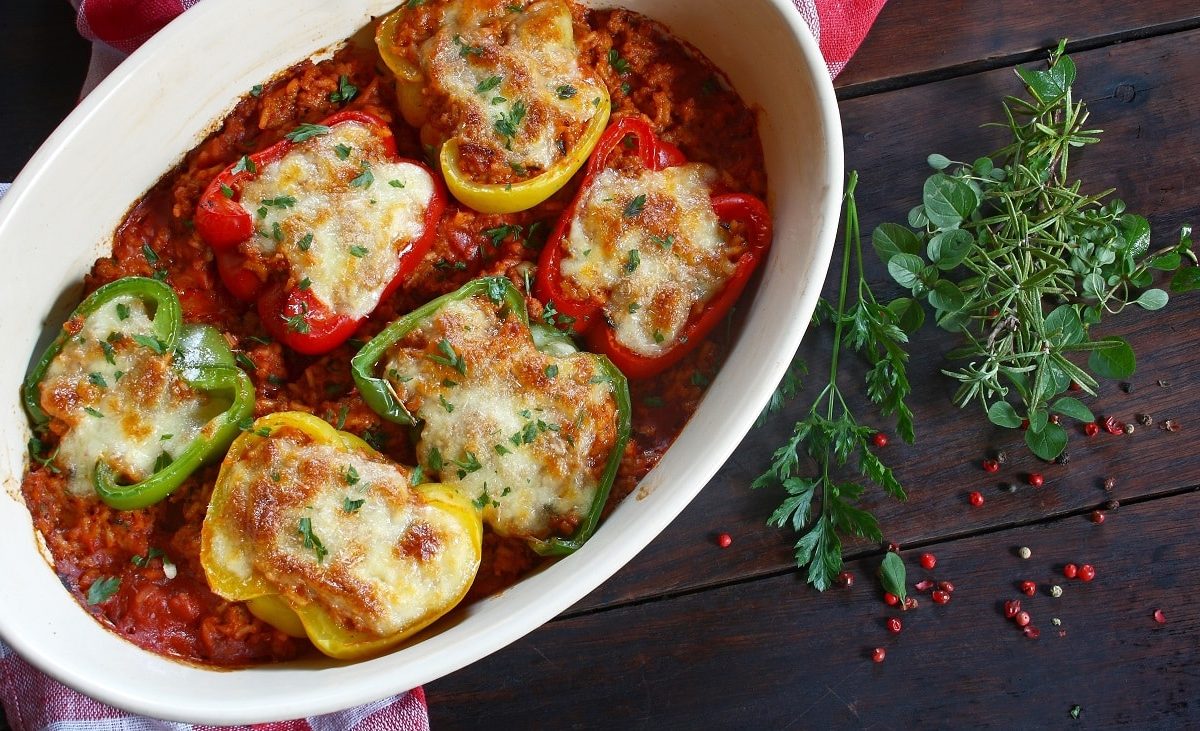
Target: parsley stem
{"type": "Point", "coordinates": [850, 234]}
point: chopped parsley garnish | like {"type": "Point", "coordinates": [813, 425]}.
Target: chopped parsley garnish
{"type": "Point", "coordinates": [447, 383]}
{"type": "Point", "coordinates": [341, 418]}
{"type": "Point", "coordinates": [102, 589]}
{"type": "Point", "coordinates": [376, 438]}
{"type": "Point", "coordinates": [448, 357]}
{"type": "Point", "coordinates": [506, 124]}
{"type": "Point", "coordinates": [244, 361]}
{"type": "Point", "coordinates": [654, 402]}
{"type": "Point", "coordinates": [98, 379]}
{"type": "Point", "coordinates": [518, 168]}
{"type": "Point", "coordinates": [151, 342]}
{"type": "Point", "coordinates": [365, 178]}
{"type": "Point", "coordinates": [502, 450]}
{"type": "Point", "coordinates": [262, 211]}
{"type": "Point", "coordinates": [634, 307]}
{"type": "Point", "coordinates": [310, 539]}
{"type": "Point", "coordinates": [345, 91]}
{"type": "Point", "coordinates": [467, 465]}
{"type": "Point", "coordinates": [304, 284]}
{"type": "Point", "coordinates": [396, 183]}
{"type": "Point", "coordinates": [283, 201]}
{"type": "Point", "coordinates": [500, 233]}
{"type": "Point", "coordinates": [658, 336]}
{"type": "Point", "coordinates": [417, 477]}
{"type": "Point", "coordinates": [488, 84]}
{"type": "Point", "coordinates": [435, 460]}
{"type": "Point", "coordinates": [514, 8]}
{"type": "Point", "coordinates": [620, 65]}
{"type": "Point", "coordinates": [342, 151]}
{"type": "Point", "coordinates": [122, 311]}
{"type": "Point", "coordinates": [226, 191]}
{"type": "Point", "coordinates": [245, 165]}
{"type": "Point", "coordinates": [36, 448]}
{"type": "Point", "coordinates": [551, 371]}
{"type": "Point", "coordinates": [465, 49]}
{"type": "Point", "coordinates": [305, 242]}
{"type": "Point", "coordinates": [142, 561]}
{"type": "Point", "coordinates": [109, 353]}
{"type": "Point", "coordinates": [359, 251]}
{"type": "Point", "coordinates": [412, 3]}
{"type": "Point", "coordinates": [699, 379]}
{"type": "Point", "coordinates": [449, 407]}
{"type": "Point", "coordinates": [635, 258]}
{"type": "Point", "coordinates": [165, 437]}
{"type": "Point", "coordinates": [117, 375]}
{"type": "Point", "coordinates": [277, 231]}
{"type": "Point", "coordinates": [256, 90]}
{"type": "Point", "coordinates": [396, 376]}
{"type": "Point", "coordinates": [495, 291]}
{"type": "Point", "coordinates": [566, 91]}
{"type": "Point", "coordinates": [484, 499]}
{"type": "Point", "coordinates": [164, 461]}
{"type": "Point", "coordinates": [444, 265]}
{"type": "Point", "coordinates": [247, 425]}
{"type": "Point", "coordinates": [307, 131]}
{"type": "Point", "coordinates": [352, 506]}
{"type": "Point", "coordinates": [350, 475]}
{"type": "Point", "coordinates": [626, 88]}
{"type": "Point", "coordinates": [633, 208]}
{"type": "Point", "coordinates": [551, 316]}
{"type": "Point", "coordinates": [151, 256]}
{"type": "Point", "coordinates": [298, 323]}
{"type": "Point", "coordinates": [665, 242]}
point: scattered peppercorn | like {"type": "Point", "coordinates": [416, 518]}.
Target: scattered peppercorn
{"type": "Point", "coordinates": [1056, 621]}
{"type": "Point", "coordinates": [910, 603]}
{"type": "Point", "coordinates": [1056, 591]}
{"type": "Point", "coordinates": [879, 654]}
{"type": "Point", "coordinates": [928, 561]}
{"type": "Point", "coordinates": [1008, 486]}
{"type": "Point", "coordinates": [1163, 384]}
{"type": "Point", "coordinates": [1002, 456]}
{"type": "Point", "coordinates": [1112, 504]}
{"type": "Point", "coordinates": [1075, 710]}
{"type": "Point", "coordinates": [893, 547]}
{"type": "Point", "coordinates": [1170, 425]}
{"type": "Point", "coordinates": [1028, 588]}
{"type": "Point", "coordinates": [946, 586]}
{"type": "Point", "coordinates": [1097, 517]}
{"type": "Point", "coordinates": [1012, 607]}
{"type": "Point", "coordinates": [1091, 429]}
{"type": "Point", "coordinates": [923, 585]}
{"type": "Point", "coordinates": [724, 540]}
{"type": "Point", "coordinates": [1087, 572]}
{"type": "Point", "coordinates": [1054, 419]}
{"type": "Point", "coordinates": [1127, 387]}
{"type": "Point", "coordinates": [976, 498]}
{"type": "Point", "coordinates": [1130, 428]}
{"type": "Point", "coordinates": [1024, 552]}
{"type": "Point", "coordinates": [1022, 619]}
{"type": "Point", "coordinates": [1110, 483]}
{"type": "Point", "coordinates": [991, 465]}
{"type": "Point", "coordinates": [1063, 458]}
{"type": "Point", "coordinates": [1033, 632]}
{"type": "Point", "coordinates": [1145, 419]}
{"type": "Point", "coordinates": [1075, 386]}
{"type": "Point", "coordinates": [1070, 571]}
{"type": "Point", "coordinates": [941, 597]}
{"type": "Point", "coordinates": [894, 625]}
{"type": "Point", "coordinates": [891, 599]}
{"type": "Point", "coordinates": [1035, 479]}
{"type": "Point", "coordinates": [845, 579]}
{"type": "Point", "coordinates": [1159, 616]}
{"type": "Point", "coordinates": [880, 439]}
{"type": "Point", "coordinates": [1112, 426]}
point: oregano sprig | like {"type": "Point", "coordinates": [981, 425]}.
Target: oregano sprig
{"type": "Point", "coordinates": [1013, 257]}
{"type": "Point", "coordinates": [822, 507]}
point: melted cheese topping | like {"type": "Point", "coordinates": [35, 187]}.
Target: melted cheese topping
{"type": "Point", "coordinates": [651, 248]}
{"type": "Point", "coordinates": [526, 434]}
{"type": "Point", "coordinates": [119, 400]}
{"type": "Point", "coordinates": [379, 567]}
{"type": "Point", "coordinates": [512, 81]}
{"type": "Point", "coordinates": [341, 213]}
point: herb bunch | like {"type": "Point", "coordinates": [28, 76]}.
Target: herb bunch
{"type": "Point", "coordinates": [819, 506]}
{"type": "Point", "coordinates": [1021, 264]}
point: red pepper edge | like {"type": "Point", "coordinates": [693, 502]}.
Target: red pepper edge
{"type": "Point", "coordinates": [224, 224]}
{"type": "Point", "coordinates": [655, 155]}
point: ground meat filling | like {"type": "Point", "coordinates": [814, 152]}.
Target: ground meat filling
{"type": "Point", "coordinates": [148, 559]}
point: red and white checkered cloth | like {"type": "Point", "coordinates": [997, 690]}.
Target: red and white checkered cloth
{"type": "Point", "coordinates": [35, 702]}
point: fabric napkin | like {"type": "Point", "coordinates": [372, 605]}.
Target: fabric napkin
{"type": "Point", "coordinates": [35, 702]}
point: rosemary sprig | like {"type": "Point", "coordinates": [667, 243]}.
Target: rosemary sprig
{"type": "Point", "coordinates": [829, 434]}
{"type": "Point", "coordinates": [1021, 264]}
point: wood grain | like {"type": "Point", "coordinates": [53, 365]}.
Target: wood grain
{"type": "Point", "coordinates": [772, 654]}
{"type": "Point", "coordinates": [913, 41]}
{"type": "Point", "coordinates": [887, 137]}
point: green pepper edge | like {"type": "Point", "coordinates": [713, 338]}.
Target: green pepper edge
{"type": "Point", "coordinates": [380, 396]}
{"type": "Point", "coordinates": [203, 359]}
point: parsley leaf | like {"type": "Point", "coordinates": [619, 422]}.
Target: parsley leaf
{"type": "Point", "coordinates": [488, 84]}
{"type": "Point", "coordinates": [307, 131]}
{"type": "Point", "coordinates": [345, 91]}
{"type": "Point", "coordinates": [102, 589]}
{"type": "Point", "coordinates": [245, 165]}
{"type": "Point", "coordinates": [633, 208]}
{"type": "Point", "coordinates": [310, 539]}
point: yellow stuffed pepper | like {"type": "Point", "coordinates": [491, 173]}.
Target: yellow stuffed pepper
{"type": "Point", "coordinates": [324, 537]}
{"type": "Point", "coordinates": [499, 94]}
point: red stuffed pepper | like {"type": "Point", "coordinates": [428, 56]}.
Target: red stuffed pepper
{"type": "Point", "coordinates": [649, 257]}
{"type": "Point", "coordinates": [320, 227]}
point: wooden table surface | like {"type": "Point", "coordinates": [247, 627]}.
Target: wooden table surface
{"type": "Point", "coordinates": [692, 636]}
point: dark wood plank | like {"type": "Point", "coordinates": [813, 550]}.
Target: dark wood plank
{"type": "Point", "coordinates": [43, 61]}
{"type": "Point", "coordinates": [1149, 152]}
{"type": "Point", "coordinates": [915, 39]}
{"type": "Point", "coordinates": [771, 654]}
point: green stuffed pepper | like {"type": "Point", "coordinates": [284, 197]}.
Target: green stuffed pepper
{"type": "Point", "coordinates": [529, 428]}
{"type": "Point", "coordinates": [136, 399]}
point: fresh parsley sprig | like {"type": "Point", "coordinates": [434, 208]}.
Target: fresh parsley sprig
{"type": "Point", "coordinates": [1015, 259]}
{"type": "Point", "coordinates": [821, 507]}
